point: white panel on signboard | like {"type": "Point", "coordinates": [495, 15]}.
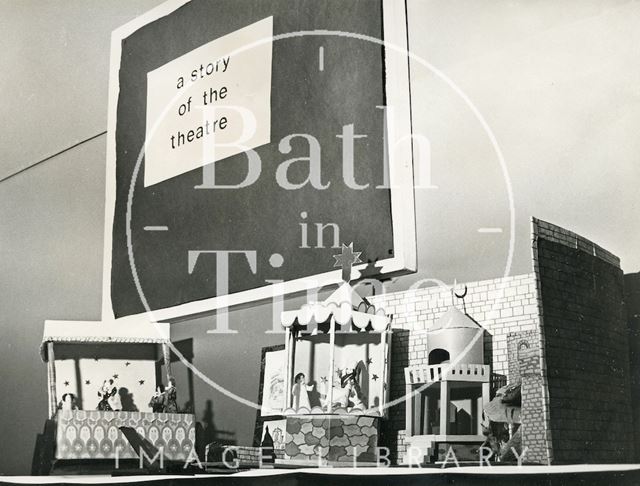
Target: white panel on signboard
{"type": "Point", "coordinates": [209, 104]}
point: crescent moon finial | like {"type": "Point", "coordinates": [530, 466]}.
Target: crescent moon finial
{"type": "Point", "coordinates": [464, 294]}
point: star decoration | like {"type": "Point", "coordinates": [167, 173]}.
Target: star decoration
{"type": "Point", "coordinates": [87, 382]}
{"type": "Point", "coordinates": [66, 383]}
{"type": "Point", "coordinates": [374, 377]}
{"type": "Point", "coordinates": [323, 379]}
{"type": "Point", "coordinates": [369, 361]}
{"type": "Point", "coordinates": [141, 382]}
{"type": "Point", "coordinates": [115, 377]}
{"type": "Point", "coordinates": [127, 363]}
{"type": "Point", "coordinates": [346, 260]}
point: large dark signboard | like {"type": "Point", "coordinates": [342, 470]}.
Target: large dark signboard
{"type": "Point", "coordinates": [247, 140]}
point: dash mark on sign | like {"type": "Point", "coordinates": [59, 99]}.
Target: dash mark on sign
{"type": "Point", "coordinates": [156, 228]}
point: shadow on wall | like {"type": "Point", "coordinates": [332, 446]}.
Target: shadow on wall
{"type": "Point", "coordinates": [126, 400]}
{"type": "Point", "coordinates": [208, 434]}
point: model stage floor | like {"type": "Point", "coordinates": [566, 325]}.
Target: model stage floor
{"type": "Point", "coordinates": [497, 475]}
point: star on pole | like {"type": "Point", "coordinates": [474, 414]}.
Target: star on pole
{"type": "Point", "coordinates": [346, 260]}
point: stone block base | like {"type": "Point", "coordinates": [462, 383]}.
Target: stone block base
{"type": "Point", "coordinates": [326, 438]}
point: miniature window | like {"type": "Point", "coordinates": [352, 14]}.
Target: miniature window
{"type": "Point", "coordinates": [438, 356]}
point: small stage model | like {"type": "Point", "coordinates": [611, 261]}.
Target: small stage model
{"type": "Point", "coordinates": [336, 374]}
{"type": "Point", "coordinates": [106, 400]}
{"type": "Point", "coordinates": [447, 394]}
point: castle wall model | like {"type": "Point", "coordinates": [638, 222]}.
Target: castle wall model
{"type": "Point", "coordinates": [560, 330]}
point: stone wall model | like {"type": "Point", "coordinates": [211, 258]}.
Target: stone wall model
{"type": "Point", "coordinates": [585, 347]}
{"type": "Point", "coordinates": [517, 341]}
{"type": "Point", "coordinates": [534, 431]}
{"type": "Point", "coordinates": [632, 301]}
{"type": "Point", "coordinates": [501, 306]}
{"type": "Point", "coordinates": [571, 308]}
{"type": "Point", "coordinates": [333, 439]}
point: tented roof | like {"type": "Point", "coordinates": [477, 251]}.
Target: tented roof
{"type": "Point", "coordinates": [345, 306]}
{"type": "Point", "coordinates": [453, 318]}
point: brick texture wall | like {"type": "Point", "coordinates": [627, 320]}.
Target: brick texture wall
{"type": "Point", "coordinates": [632, 301]}
{"type": "Point", "coordinates": [515, 342]}
{"type": "Point", "coordinates": [585, 347]}
{"type": "Point", "coordinates": [501, 306]}
{"type": "Point", "coordinates": [534, 430]}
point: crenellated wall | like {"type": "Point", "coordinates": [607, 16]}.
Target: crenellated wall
{"type": "Point", "coordinates": [585, 346]}
{"type": "Point", "coordinates": [501, 306]}
{"type": "Point", "coordinates": [575, 366]}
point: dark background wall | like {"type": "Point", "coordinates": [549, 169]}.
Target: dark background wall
{"type": "Point", "coordinates": [586, 349]}
{"type": "Point", "coordinates": [632, 301]}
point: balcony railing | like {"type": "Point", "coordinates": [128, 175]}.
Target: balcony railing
{"type": "Point", "coordinates": [415, 375]}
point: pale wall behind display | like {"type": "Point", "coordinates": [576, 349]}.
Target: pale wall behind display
{"type": "Point", "coordinates": [556, 81]}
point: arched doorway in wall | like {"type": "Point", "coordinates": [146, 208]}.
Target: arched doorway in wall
{"type": "Point", "coordinates": [438, 355]}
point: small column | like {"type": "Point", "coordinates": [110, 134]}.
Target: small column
{"type": "Point", "coordinates": [51, 378]}
{"type": "Point", "coordinates": [408, 403]}
{"type": "Point", "coordinates": [332, 358]}
{"type": "Point", "coordinates": [166, 355]}
{"type": "Point", "coordinates": [486, 393]}
{"type": "Point", "coordinates": [383, 380]}
{"type": "Point", "coordinates": [425, 413]}
{"type": "Point", "coordinates": [288, 365]}
{"type": "Point", "coordinates": [444, 407]}
{"type": "Point", "coordinates": [417, 410]}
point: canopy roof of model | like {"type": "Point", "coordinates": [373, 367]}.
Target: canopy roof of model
{"type": "Point", "coordinates": [103, 332]}
{"type": "Point", "coordinates": [345, 306]}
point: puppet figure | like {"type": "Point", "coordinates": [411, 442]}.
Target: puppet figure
{"type": "Point", "coordinates": [157, 400]}
{"type": "Point", "coordinates": [300, 392]}
{"type": "Point", "coordinates": [110, 400]}
{"type": "Point", "coordinates": [170, 398]}
{"type": "Point", "coordinates": [349, 394]}
{"type": "Point", "coordinates": [68, 402]}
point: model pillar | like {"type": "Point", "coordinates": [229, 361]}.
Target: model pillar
{"type": "Point", "coordinates": [486, 393]}
{"type": "Point", "coordinates": [332, 360]}
{"type": "Point", "coordinates": [166, 355]}
{"type": "Point", "coordinates": [51, 378]}
{"type": "Point", "coordinates": [444, 407]}
{"type": "Point", "coordinates": [287, 372]}
{"type": "Point", "coordinates": [408, 411]}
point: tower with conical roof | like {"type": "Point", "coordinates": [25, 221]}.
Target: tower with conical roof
{"type": "Point", "coordinates": [446, 394]}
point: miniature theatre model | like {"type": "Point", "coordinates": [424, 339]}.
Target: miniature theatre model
{"type": "Point", "coordinates": [445, 396]}
{"type": "Point", "coordinates": [336, 374]}
{"type": "Point", "coordinates": [505, 371]}
{"type": "Point", "coordinates": [104, 383]}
